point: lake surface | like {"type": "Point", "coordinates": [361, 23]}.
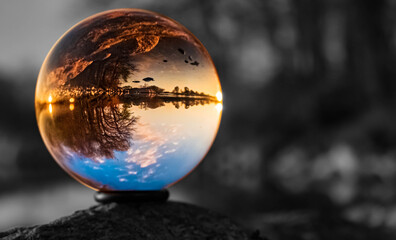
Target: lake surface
{"type": "Point", "coordinates": [142, 144]}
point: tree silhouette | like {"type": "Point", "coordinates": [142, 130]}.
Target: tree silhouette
{"type": "Point", "coordinates": [107, 73]}
{"type": "Point", "coordinates": [176, 90]}
{"type": "Point", "coordinates": [186, 90]}
{"type": "Point", "coordinates": [157, 89]}
{"type": "Point", "coordinates": [94, 129]}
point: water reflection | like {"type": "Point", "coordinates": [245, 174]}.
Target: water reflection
{"type": "Point", "coordinates": [94, 128]}
{"type": "Point", "coordinates": [119, 143]}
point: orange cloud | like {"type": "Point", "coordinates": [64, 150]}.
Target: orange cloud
{"type": "Point", "coordinates": [96, 39]}
{"type": "Point", "coordinates": [61, 74]}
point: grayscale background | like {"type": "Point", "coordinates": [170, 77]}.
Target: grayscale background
{"type": "Point", "coordinates": [307, 144]}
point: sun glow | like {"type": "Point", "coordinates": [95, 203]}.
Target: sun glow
{"type": "Point", "coordinates": [50, 99]}
{"type": "Point", "coordinates": [219, 107]}
{"type": "Point", "coordinates": [219, 96]}
{"type": "Point", "coordinates": [71, 100]}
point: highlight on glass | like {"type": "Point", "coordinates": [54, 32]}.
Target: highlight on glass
{"type": "Point", "coordinates": [128, 100]}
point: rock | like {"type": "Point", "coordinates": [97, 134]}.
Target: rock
{"type": "Point", "coordinates": [170, 220]}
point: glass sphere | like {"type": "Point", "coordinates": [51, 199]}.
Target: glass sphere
{"type": "Point", "coordinates": [128, 100]}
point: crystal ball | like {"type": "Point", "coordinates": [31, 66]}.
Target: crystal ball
{"type": "Point", "coordinates": [128, 100]}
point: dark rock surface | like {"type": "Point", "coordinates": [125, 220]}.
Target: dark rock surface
{"type": "Point", "coordinates": [170, 220]}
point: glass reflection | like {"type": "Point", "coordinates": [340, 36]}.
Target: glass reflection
{"type": "Point", "coordinates": [128, 100]}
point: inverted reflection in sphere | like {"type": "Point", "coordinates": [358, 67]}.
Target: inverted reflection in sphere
{"type": "Point", "coordinates": [128, 100]}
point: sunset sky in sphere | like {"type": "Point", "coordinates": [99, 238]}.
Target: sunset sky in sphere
{"type": "Point", "coordinates": [156, 46]}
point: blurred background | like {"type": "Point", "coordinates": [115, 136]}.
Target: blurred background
{"type": "Point", "coordinates": [307, 144]}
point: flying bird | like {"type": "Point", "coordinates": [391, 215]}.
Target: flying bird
{"type": "Point", "coordinates": [136, 81]}
{"type": "Point", "coordinates": [181, 51]}
{"type": "Point", "coordinates": [195, 63]}
{"type": "Point", "coordinates": [148, 79]}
